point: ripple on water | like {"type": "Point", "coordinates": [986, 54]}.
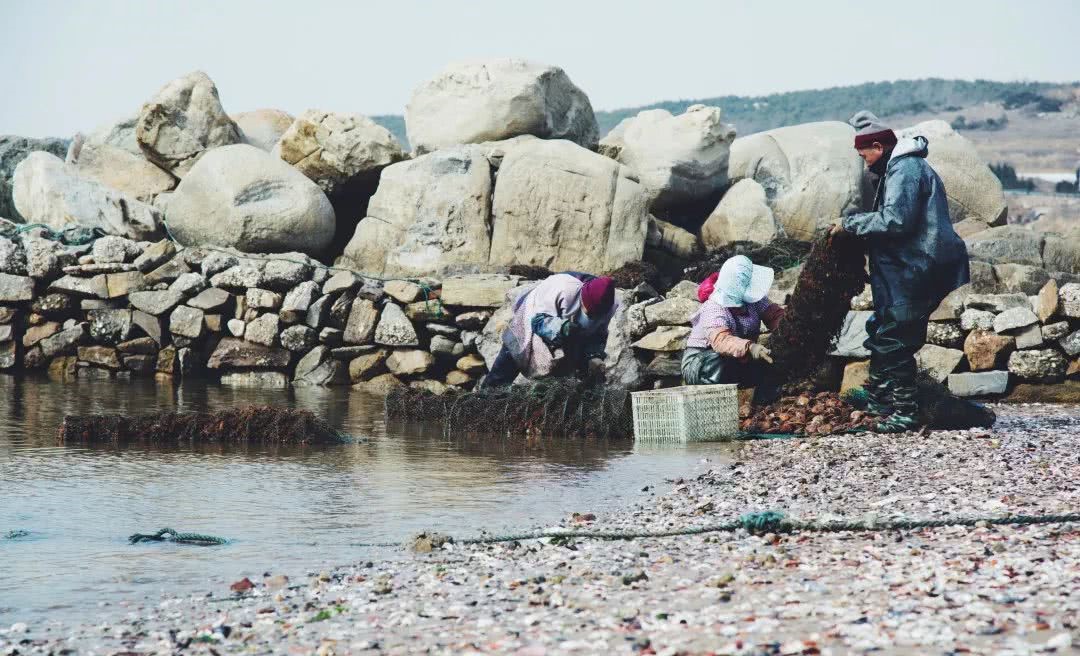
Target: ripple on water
{"type": "Point", "coordinates": [285, 509]}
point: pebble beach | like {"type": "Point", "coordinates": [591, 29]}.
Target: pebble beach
{"type": "Point", "coordinates": [983, 589]}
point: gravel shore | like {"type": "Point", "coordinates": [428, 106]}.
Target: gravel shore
{"type": "Point", "coordinates": [998, 590]}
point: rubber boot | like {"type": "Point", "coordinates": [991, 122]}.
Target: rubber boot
{"type": "Point", "coordinates": [905, 404]}
{"type": "Point", "coordinates": [873, 396]}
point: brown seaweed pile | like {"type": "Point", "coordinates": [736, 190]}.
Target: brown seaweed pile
{"type": "Point", "coordinates": [778, 255]}
{"type": "Point", "coordinates": [246, 425]}
{"type": "Point", "coordinates": [832, 274]}
{"type": "Point", "coordinates": [806, 414]}
{"type": "Point", "coordinates": [530, 271]}
{"type": "Point", "coordinates": [563, 407]}
{"type": "Point", "coordinates": [632, 274]}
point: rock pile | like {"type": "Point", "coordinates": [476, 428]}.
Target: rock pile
{"type": "Point", "coordinates": [507, 171]}
{"type": "Point", "coordinates": [122, 308]}
{"type": "Point", "coordinates": [985, 340]}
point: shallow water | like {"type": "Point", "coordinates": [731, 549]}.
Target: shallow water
{"type": "Point", "coordinates": [285, 510]}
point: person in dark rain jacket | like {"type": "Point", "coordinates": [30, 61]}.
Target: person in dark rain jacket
{"type": "Point", "coordinates": [916, 259]}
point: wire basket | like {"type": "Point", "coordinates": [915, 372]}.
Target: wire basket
{"type": "Point", "coordinates": [691, 413]}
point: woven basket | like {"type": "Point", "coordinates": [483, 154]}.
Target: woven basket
{"type": "Point", "coordinates": [692, 413]}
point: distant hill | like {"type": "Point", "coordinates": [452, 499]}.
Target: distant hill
{"type": "Point", "coordinates": [756, 113]}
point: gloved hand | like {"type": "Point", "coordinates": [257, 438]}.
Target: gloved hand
{"type": "Point", "coordinates": [569, 330]}
{"type": "Point", "coordinates": [759, 352]}
{"type": "Point", "coordinates": [596, 368]}
{"type": "Point", "coordinates": [837, 227]}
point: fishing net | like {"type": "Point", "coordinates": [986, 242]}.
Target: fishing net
{"type": "Point", "coordinates": [246, 425]}
{"type": "Point", "coordinates": [940, 409]}
{"type": "Point", "coordinates": [559, 407]}
{"type": "Point", "coordinates": [832, 274]}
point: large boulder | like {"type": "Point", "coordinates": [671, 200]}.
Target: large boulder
{"type": "Point", "coordinates": [120, 134]}
{"type": "Point", "coordinates": [561, 206]}
{"type": "Point", "coordinates": [810, 173]}
{"type": "Point", "coordinates": [742, 215]}
{"type": "Point", "coordinates": [429, 216]}
{"type": "Point", "coordinates": [493, 99]}
{"type": "Point", "coordinates": [183, 121]}
{"type": "Point", "coordinates": [680, 159]}
{"type": "Point", "coordinates": [47, 190]}
{"type": "Point", "coordinates": [1006, 245]}
{"type": "Point", "coordinates": [262, 127]}
{"type": "Point", "coordinates": [243, 197]}
{"type": "Point", "coordinates": [343, 154]}
{"type": "Point", "coordinates": [334, 149]}
{"type": "Point", "coordinates": [974, 192]}
{"type": "Point", "coordinates": [13, 150]}
{"type": "Point", "coordinates": [124, 171]}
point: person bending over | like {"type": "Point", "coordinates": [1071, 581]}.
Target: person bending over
{"type": "Point", "coordinates": [559, 327]}
{"type": "Point", "coordinates": [722, 347]}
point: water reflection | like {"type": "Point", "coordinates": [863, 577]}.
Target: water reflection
{"type": "Point", "coordinates": [288, 509]}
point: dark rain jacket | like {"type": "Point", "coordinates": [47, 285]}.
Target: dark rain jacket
{"type": "Point", "coordinates": [916, 258]}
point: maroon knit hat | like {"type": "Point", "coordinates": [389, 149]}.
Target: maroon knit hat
{"type": "Point", "coordinates": [870, 129]}
{"type": "Point", "coordinates": [598, 295]}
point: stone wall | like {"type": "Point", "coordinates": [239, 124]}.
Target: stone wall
{"type": "Point", "coordinates": [123, 309]}
{"type": "Point", "coordinates": [120, 308]}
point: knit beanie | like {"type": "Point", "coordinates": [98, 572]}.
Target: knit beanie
{"type": "Point", "coordinates": [869, 128]}
{"type": "Point", "coordinates": [598, 295]}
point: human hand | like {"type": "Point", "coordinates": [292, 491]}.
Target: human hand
{"type": "Point", "coordinates": [569, 329]}
{"type": "Point", "coordinates": [596, 368]}
{"type": "Point", "coordinates": [759, 352]}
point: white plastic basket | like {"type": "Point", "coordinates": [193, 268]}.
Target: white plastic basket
{"type": "Point", "coordinates": [691, 413]}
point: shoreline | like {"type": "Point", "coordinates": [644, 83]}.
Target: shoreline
{"type": "Point", "coordinates": [986, 589]}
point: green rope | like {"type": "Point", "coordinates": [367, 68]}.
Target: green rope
{"type": "Point", "coordinates": [74, 235]}
{"type": "Point", "coordinates": [170, 535]}
{"type": "Point", "coordinates": [763, 522]}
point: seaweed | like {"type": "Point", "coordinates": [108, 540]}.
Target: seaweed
{"type": "Point", "coordinates": [246, 425]}
{"type": "Point", "coordinates": [557, 406]}
{"type": "Point", "coordinates": [832, 274]}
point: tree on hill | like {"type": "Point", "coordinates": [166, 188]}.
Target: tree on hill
{"type": "Point", "coordinates": [756, 113]}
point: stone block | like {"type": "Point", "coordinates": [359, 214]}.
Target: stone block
{"type": "Point", "coordinates": [394, 328]}
{"type": "Point", "coordinates": [986, 383]}
{"type": "Point", "coordinates": [187, 322]}
{"type": "Point", "coordinates": [482, 290]}
{"type": "Point", "coordinates": [665, 338]}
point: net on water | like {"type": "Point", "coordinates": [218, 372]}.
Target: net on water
{"type": "Point", "coordinates": [562, 407]}
{"type": "Point", "coordinates": [246, 425]}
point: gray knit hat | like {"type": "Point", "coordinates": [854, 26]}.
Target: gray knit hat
{"type": "Point", "coordinates": [869, 128]}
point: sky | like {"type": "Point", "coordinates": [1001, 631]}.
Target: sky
{"type": "Point", "coordinates": [73, 65]}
